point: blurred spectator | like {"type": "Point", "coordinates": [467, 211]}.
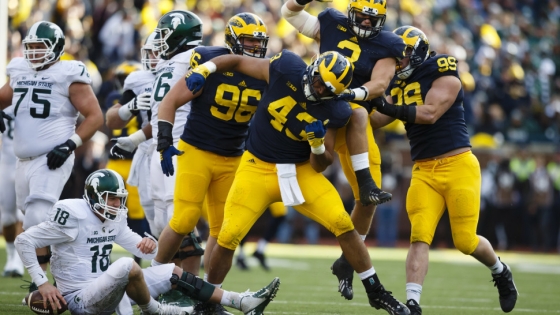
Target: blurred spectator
{"type": "Point", "coordinates": [540, 207]}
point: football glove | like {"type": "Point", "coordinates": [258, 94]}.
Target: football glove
{"type": "Point", "coordinates": [303, 2]}
{"type": "Point", "coordinates": [138, 103]}
{"type": "Point", "coordinates": [316, 136]}
{"type": "Point", "coordinates": [2, 123]}
{"type": "Point", "coordinates": [125, 146]}
{"type": "Point", "coordinates": [165, 147]}
{"type": "Point", "coordinates": [57, 156]}
{"type": "Point", "coordinates": [358, 94]}
{"type": "Point", "coordinates": [197, 77]}
{"type": "Point", "coordinates": [404, 113]}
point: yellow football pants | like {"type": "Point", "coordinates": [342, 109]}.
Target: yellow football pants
{"type": "Point", "coordinates": [122, 167]}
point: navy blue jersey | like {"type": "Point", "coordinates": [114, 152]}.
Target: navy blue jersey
{"type": "Point", "coordinates": [220, 116]}
{"type": "Point", "coordinates": [450, 130]}
{"type": "Point", "coordinates": [362, 52]}
{"type": "Point", "coordinates": [277, 133]}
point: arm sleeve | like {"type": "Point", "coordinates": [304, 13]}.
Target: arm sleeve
{"type": "Point", "coordinates": [304, 22]}
{"type": "Point", "coordinates": [38, 236]}
{"type": "Point", "coordinates": [128, 240]}
{"type": "Point", "coordinates": [127, 96]}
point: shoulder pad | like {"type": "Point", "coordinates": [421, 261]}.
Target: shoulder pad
{"type": "Point", "coordinates": [16, 66]}
{"type": "Point", "coordinates": [184, 57]}
{"type": "Point", "coordinates": [75, 71]}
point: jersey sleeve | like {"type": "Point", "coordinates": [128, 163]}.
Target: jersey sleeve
{"type": "Point", "coordinates": [283, 62]}
{"type": "Point", "coordinates": [128, 239]}
{"type": "Point", "coordinates": [440, 66]}
{"type": "Point", "coordinates": [64, 219]}
{"type": "Point", "coordinates": [76, 71]}
{"type": "Point", "coordinates": [132, 81]}
{"type": "Point", "coordinates": [341, 113]}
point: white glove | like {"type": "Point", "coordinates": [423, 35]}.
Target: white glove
{"type": "Point", "coordinates": [140, 102]}
{"type": "Point", "coordinates": [127, 145]}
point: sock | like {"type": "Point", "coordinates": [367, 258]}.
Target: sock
{"type": "Point", "coordinates": [497, 268]}
{"type": "Point", "coordinates": [371, 283]}
{"type": "Point", "coordinates": [360, 161]}
{"type": "Point", "coordinates": [216, 285]}
{"type": "Point", "coordinates": [151, 307]}
{"type": "Point", "coordinates": [155, 263]}
{"type": "Point", "coordinates": [364, 178]}
{"type": "Point", "coordinates": [231, 299]}
{"type": "Point", "coordinates": [205, 277]}
{"type": "Point", "coordinates": [363, 237]}
{"type": "Point", "coordinates": [261, 245]}
{"type": "Point", "coordinates": [10, 250]}
{"type": "Point", "coordinates": [413, 291]}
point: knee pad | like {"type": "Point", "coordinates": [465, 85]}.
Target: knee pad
{"type": "Point", "coordinates": [465, 244]}
{"type": "Point", "coordinates": [193, 286]}
{"type": "Point", "coordinates": [36, 212]}
{"type": "Point", "coordinates": [121, 268]}
{"type": "Point", "coordinates": [190, 240]}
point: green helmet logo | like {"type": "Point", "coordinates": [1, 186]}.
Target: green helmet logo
{"type": "Point", "coordinates": [102, 184]}
{"type": "Point", "coordinates": [176, 30]}
{"type": "Point", "coordinates": [51, 38]}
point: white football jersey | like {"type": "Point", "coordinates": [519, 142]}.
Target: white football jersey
{"type": "Point", "coordinates": [141, 82]}
{"type": "Point", "coordinates": [82, 243]}
{"type": "Point", "coordinates": [7, 155]}
{"type": "Point", "coordinates": [170, 72]}
{"type": "Point", "coordinates": [44, 116]}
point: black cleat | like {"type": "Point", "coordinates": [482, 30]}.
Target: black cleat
{"type": "Point", "coordinates": [382, 299]}
{"type": "Point", "coordinates": [414, 307]}
{"type": "Point", "coordinates": [506, 289]}
{"type": "Point", "coordinates": [371, 194]}
{"type": "Point", "coordinates": [342, 269]}
{"type": "Point", "coordinates": [209, 309]}
{"type": "Point", "coordinates": [241, 264]}
{"type": "Point", "coordinates": [262, 260]}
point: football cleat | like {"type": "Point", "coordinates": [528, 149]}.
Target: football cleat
{"type": "Point", "coordinates": [241, 264]}
{"type": "Point", "coordinates": [371, 194]}
{"type": "Point", "coordinates": [342, 269]}
{"type": "Point", "coordinates": [166, 309]}
{"type": "Point", "coordinates": [209, 309]}
{"type": "Point", "coordinates": [175, 297]}
{"type": "Point", "coordinates": [254, 303]}
{"type": "Point", "coordinates": [262, 260]}
{"type": "Point", "coordinates": [383, 299]}
{"type": "Point", "coordinates": [414, 307]}
{"type": "Point", "coordinates": [506, 288]}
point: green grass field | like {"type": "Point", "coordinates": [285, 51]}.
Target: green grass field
{"type": "Point", "coordinates": [456, 284]}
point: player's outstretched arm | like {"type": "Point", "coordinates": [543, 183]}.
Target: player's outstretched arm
{"type": "Point", "coordinates": [307, 24]}
{"type": "Point", "coordinates": [178, 96]}
{"type": "Point", "coordinates": [439, 99]}
{"type": "Point", "coordinates": [129, 105]}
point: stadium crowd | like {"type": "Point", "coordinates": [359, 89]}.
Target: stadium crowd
{"type": "Point", "coordinates": [509, 64]}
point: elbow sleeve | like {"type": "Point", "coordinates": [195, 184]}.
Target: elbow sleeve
{"type": "Point", "coordinates": [304, 22]}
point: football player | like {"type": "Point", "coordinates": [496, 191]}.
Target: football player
{"type": "Point", "coordinates": [135, 100]}
{"type": "Point", "coordinates": [374, 52]}
{"type": "Point", "coordinates": [213, 139]}
{"type": "Point", "coordinates": [49, 95]}
{"type": "Point", "coordinates": [82, 233]}
{"type": "Point", "coordinates": [445, 174]}
{"type": "Point", "coordinates": [279, 165]}
{"type": "Point", "coordinates": [12, 218]}
{"type": "Point", "coordinates": [177, 33]}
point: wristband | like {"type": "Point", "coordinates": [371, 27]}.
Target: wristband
{"type": "Point", "coordinates": [76, 139]}
{"type": "Point", "coordinates": [318, 150]}
{"type": "Point", "coordinates": [138, 137]}
{"type": "Point", "coordinates": [210, 65]}
{"type": "Point", "coordinates": [124, 112]}
{"type": "Point", "coordinates": [360, 93]}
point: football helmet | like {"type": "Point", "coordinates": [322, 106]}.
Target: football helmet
{"type": "Point", "coordinates": [123, 70]}
{"type": "Point", "coordinates": [149, 59]}
{"type": "Point", "coordinates": [244, 26]}
{"type": "Point", "coordinates": [177, 29]}
{"type": "Point", "coordinates": [417, 49]}
{"type": "Point", "coordinates": [99, 186]}
{"type": "Point", "coordinates": [51, 36]}
{"type": "Point", "coordinates": [333, 70]}
{"type": "Point", "coordinates": [376, 9]}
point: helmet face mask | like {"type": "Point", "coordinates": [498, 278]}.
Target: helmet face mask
{"type": "Point", "coordinates": [102, 187]}
{"type": "Point", "coordinates": [177, 30]}
{"type": "Point", "coordinates": [332, 71]}
{"type": "Point", "coordinates": [246, 34]}
{"type": "Point", "coordinates": [375, 10]}
{"type": "Point", "coordinates": [149, 54]}
{"type": "Point", "coordinates": [417, 50]}
{"type": "Point", "coordinates": [43, 44]}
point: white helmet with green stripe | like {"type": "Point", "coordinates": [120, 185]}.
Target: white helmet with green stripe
{"type": "Point", "coordinates": [51, 36]}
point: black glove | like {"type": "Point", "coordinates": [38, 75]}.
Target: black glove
{"type": "Point", "coordinates": [2, 124]}
{"type": "Point", "coordinates": [60, 154]}
{"type": "Point", "coordinates": [303, 2]}
{"type": "Point", "coordinates": [406, 113]}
